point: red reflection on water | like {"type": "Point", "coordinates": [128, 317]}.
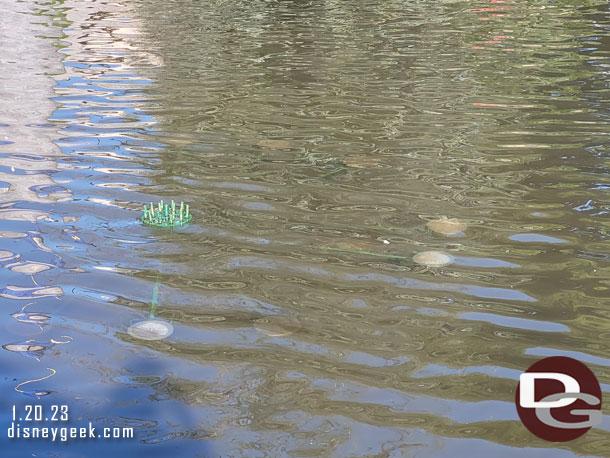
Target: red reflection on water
{"type": "Point", "coordinates": [485, 10]}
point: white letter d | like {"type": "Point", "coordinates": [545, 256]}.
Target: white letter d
{"type": "Point", "coordinates": [527, 389]}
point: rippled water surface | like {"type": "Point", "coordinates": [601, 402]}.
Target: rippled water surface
{"type": "Point", "coordinates": [314, 141]}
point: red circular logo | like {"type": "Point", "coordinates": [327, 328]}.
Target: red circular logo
{"type": "Point", "coordinates": [559, 399]}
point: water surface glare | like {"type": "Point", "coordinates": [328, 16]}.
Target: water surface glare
{"type": "Point", "coordinates": [323, 147]}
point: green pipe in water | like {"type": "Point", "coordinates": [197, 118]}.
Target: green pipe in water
{"type": "Point", "coordinates": [155, 301]}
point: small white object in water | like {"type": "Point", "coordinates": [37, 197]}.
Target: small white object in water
{"type": "Point", "coordinates": [151, 330]}
{"type": "Point", "coordinates": [447, 226]}
{"type": "Point", "coordinates": [23, 347]}
{"type": "Point", "coordinates": [433, 258]}
{"type": "Point", "coordinates": [386, 242]}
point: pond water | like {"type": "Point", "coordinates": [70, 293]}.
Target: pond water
{"type": "Point", "coordinates": [322, 147]}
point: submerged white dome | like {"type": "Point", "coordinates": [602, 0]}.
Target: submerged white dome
{"type": "Point", "coordinates": [151, 330]}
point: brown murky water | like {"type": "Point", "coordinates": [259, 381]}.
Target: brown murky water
{"type": "Point", "coordinates": [323, 146]}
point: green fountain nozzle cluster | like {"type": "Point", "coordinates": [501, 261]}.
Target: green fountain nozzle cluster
{"type": "Point", "coordinates": [167, 215]}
